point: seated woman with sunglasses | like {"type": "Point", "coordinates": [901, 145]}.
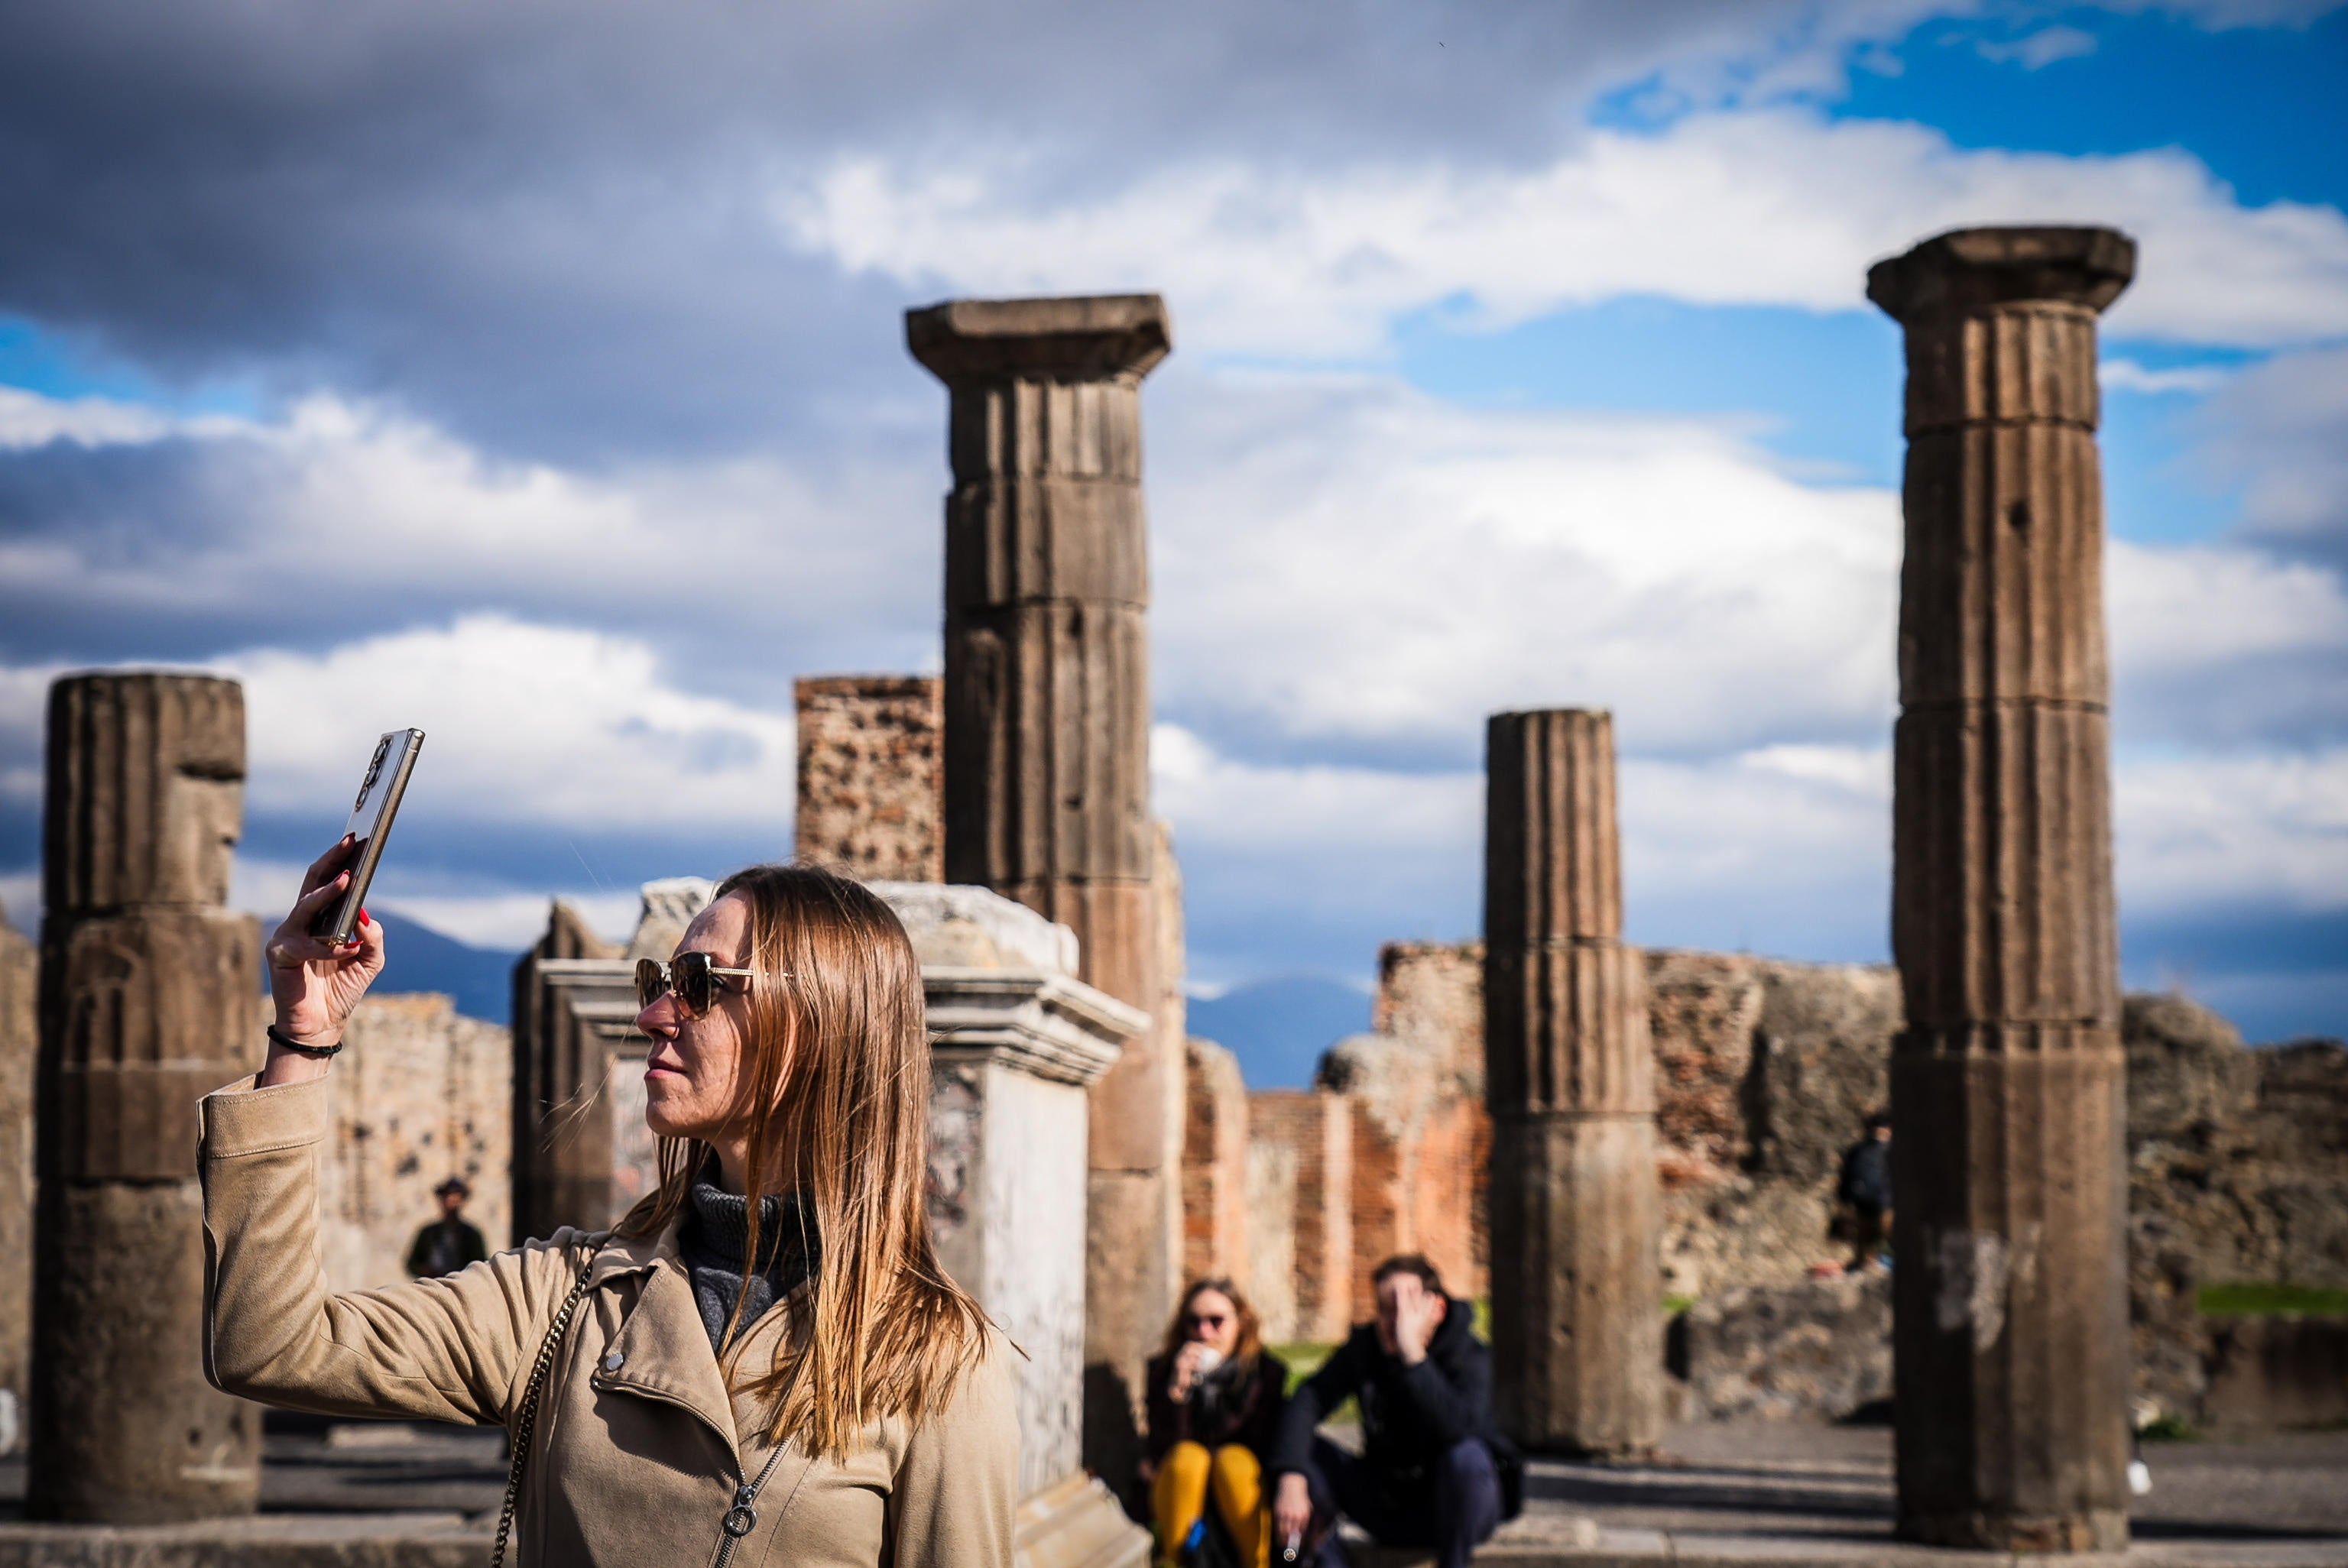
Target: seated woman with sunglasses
{"type": "Point", "coordinates": [839, 1402]}
{"type": "Point", "coordinates": [1215, 1395]}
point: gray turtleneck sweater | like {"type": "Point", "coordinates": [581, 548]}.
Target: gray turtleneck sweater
{"type": "Point", "coordinates": [713, 1237]}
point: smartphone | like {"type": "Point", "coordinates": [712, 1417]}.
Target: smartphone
{"type": "Point", "coordinates": [370, 824]}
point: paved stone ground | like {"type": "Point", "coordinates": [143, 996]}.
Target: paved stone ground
{"type": "Point", "coordinates": [1741, 1494]}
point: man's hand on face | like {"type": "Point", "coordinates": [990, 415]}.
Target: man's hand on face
{"type": "Point", "coordinates": [1408, 1315]}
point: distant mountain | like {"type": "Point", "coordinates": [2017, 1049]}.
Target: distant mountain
{"type": "Point", "coordinates": [1278, 1028]}
{"type": "Point", "coordinates": [419, 959]}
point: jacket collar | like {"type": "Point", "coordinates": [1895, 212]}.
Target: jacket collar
{"type": "Point", "coordinates": [661, 1346]}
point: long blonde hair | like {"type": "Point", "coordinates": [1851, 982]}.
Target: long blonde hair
{"type": "Point", "coordinates": [836, 1064]}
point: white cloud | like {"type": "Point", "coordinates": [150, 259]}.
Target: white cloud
{"type": "Point", "coordinates": [551, 726]}
{"type": "Point", "coordinates": [1345, 562]}
{"type": "Point", "coordinates": [2279, 431]}
{"type": "Point", "coordinates": [2197, 833]}
{"type": "Point", "coordinates": [2042, 48]}
{"type": "Point", "coordinates": [31, 419]}
{"type": "Point", "coordinates": [2127, 375]}
{"type": "Point", "coordinates": [1771, 207]}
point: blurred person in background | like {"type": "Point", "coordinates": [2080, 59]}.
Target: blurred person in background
{"type": "Point", "coordinates": [1215, 1396]}
{"type": "Point", "coordinates": [1434, 1471]}
{"type": "Point", "coordinates": [450, 1242]}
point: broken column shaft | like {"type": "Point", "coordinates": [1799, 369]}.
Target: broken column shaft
{"type": "Point", "coordinates": [1576, 1215]}
{"type": "Point", "coordinates": [1046, 744]}
{"type": "Point", "coordinates": [150, 997]}
{"type": "Point", "coordinates": [2012, 1334]}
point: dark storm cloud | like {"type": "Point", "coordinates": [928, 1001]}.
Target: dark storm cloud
{"type": "Point", "coordinates": [546, 226]}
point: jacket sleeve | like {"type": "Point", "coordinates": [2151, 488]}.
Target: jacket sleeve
{"type": "Point", "coordinates": [449, 1349]}
{"type": "Point", "coordinates": [1262, 1433]}
{"type": "Point", "coordinates": [951, 1505]}
{"type": "Point", "coordinates": [1339, 1378]}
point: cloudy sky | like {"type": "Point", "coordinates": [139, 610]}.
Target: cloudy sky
{"type": "Point", "coordinates": [534, 373]}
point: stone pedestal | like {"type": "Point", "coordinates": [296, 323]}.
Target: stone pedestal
{"type": "Point", "coordinates": [1047, 737]}
{"type": "Point", "coordinates": [1017, 1041]}
{"type": "Point", "coordinates": [1577, 1217]}
{"type": "Point", "coordinates": [150, 998]}
{"type": "Point", "coordinates": [2007, 1084]}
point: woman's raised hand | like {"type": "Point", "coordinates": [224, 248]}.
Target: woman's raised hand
{"type": "Point", "coordinates": [315, 984]}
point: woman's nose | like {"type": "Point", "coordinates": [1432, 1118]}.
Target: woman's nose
{"type": "Point", "coordinates": [659, 1018]}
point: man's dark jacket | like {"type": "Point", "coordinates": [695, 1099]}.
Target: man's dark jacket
{"type": "Point", "coordinates": [1867, 1175]}
{"type": "Point", "coordinates": [444, 1247]}
{"type": "Point", "coordinates": [1411, 1416]}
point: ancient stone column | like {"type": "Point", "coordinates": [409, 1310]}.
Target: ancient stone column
{"type": "Point", "coordinates": [1048, 738]}
{"type": "Point", "coordinates": [20, 1034]}
{"type": "Point", "coordinates": [2011, 1338]}
{"type": "Point", "coordinates": [150, 998]}
{"type": "Point", "coordinates": [1577, 1218]}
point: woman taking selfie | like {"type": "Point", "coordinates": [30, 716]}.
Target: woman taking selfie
{"type": "Point", "coordinates": [1215, 1399]}
{"type": "Point", "coordinates": [762, 1362]}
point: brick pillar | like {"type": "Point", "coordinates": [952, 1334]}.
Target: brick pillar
{"type": "Point", "coordinates": [869, 796]}
{"type": "Point", "coordinates": [1047, 740]}
{"type": "Point", "coordinates": [1577, 1218]}
{"type": "Point", "coordinates": [1316, 1130]}
{"type": "Point", "coordinates": [1214, 1165]}
{"type": "Point", "coordinates": [151, 999]}
{"type": "Point", "coordinates": [2007, 1084]}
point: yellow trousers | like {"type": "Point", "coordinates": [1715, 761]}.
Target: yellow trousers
{"type": "Point", "coordinates": [1179, 1497]}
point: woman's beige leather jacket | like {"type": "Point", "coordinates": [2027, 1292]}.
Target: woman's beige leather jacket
{"type": "Point", "coordinates": [640, 1446]}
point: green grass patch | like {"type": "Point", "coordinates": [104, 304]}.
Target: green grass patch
{"type": "Point", "coordinates": [1675, 1304]}
{"type": "Point", "coordinates": [2167, 1430]}
{"type": "Point", "coordinates": [1303, 1360]}
{"type": "Point", "coordinates": [2254, 1299]}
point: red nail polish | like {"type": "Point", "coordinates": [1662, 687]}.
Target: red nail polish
{"type": "Point", "coordinates": [363, 916]}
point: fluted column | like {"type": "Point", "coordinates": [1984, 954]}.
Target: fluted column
{"type": "Point", "coordinates": [1046, 743]}
{"type": "Point", "coordinates": [151, 995]}
{"type": "Point", "coordinates": [1576, 1216]}
{"type": "Point", "coordinates": [2007, 1084]}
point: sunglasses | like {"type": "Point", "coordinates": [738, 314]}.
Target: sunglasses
{"type": "Point", "coordinates": [692, 976]}
{"type": "Point", "coordinates": [1208, 1319]}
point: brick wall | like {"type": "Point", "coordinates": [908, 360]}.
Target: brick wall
{"type": "Point", "coordinates": [1316, 1131]}
{"type": "Point", "coordinates": [1214, 1164]}
{"type": "Point", "coordinates": [870, 781]}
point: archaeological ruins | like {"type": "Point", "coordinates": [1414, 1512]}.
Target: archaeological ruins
{"type": "Point", "coordinates": [1631, 1155]}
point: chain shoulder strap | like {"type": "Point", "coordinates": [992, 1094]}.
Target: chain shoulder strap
{"type": "Point", "coordinates": [525, 1421]}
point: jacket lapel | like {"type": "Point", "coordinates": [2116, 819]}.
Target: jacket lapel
{"type": "Point", "coordinates": [662, 1351]}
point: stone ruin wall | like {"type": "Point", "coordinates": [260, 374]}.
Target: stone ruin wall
{"type": "Point", "coordinates": [422, 1094]}
{"type": "Point", "coordinates": [20, 971]}
{"type": "Point", "coordinates": [1300, 1164]}
{"type": "Point", "coordinates": [871, 780]}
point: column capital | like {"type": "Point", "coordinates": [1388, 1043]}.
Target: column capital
{"type": "Point", "coordinates": [1096, 337]}
{"type": "Point", "coordinates": [1969, 269]}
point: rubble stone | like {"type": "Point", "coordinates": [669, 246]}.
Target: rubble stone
{"type": "Point", "coordinates": [871, 790]}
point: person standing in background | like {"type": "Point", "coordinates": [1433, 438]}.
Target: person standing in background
{"type": "Point", "coordinates": [450, 1242]}
{"type": "Point", "coordinates": [1866, 1188]}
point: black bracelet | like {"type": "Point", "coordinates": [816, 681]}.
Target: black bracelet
{"type": "Point", "coordinates": [314, 1052]}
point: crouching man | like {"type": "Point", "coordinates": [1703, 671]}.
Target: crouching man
{"type": "Point", "coordinates": [1433, 1471]}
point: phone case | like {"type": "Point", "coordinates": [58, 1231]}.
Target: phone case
{"type": "Point", "coordinates": [370, 823]}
